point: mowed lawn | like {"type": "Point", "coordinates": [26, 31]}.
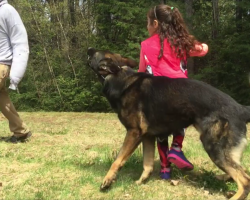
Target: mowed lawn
{"type": "Point", "coordinates": [70, 153]}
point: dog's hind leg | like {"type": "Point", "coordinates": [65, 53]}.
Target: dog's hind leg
{"type": "Point", "coordinates": [226, 177]}
{"type": "Point", "coordinates": [223, 177]}
{"type": "Point", "coordinates": [237, 172]}
{"type": "Point", "coordinates": [132, 140]}
{"type": "Point", "coordinates": [225, 148]}
{"type": "Point", "coordinates": [148, 158]}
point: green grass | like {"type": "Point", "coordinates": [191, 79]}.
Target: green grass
{"type": "Point", "coordinates": [70, 153]}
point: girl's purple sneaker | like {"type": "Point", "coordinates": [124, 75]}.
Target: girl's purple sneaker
{"type": "Point", "coordinates": [165, 173]}
{"type": "Point", "coordinates": [178, 158]}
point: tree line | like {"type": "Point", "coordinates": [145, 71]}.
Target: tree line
{"type": "Point", "coordinates": [60, 32]}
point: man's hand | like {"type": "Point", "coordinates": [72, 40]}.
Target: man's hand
{"type": "Point", "coordinates": [13, 85]}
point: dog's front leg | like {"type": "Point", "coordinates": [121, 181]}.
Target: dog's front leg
{"type": "Point", "coordinates": [148, 158]}
{"type": "Point", "coordinates": [132, 140]}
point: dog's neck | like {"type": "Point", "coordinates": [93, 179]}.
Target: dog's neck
{"type": "Point", "coordinates": [115, 84]}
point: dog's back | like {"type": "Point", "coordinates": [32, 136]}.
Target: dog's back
{"type": "Point", "coordinates": [170, 104]}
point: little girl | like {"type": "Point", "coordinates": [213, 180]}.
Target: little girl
{"type": "Point", "coordinates": [165, 53]}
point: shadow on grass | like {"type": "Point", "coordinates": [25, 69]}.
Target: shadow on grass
{"type": "Point", "coordinates": [131, 171]}
{"type": "Point", "coordinates": [4, 139]}
{"type": "Point", "coordinates": [9, 139]}
{"type": "Point", "coordinates": [201, 178]}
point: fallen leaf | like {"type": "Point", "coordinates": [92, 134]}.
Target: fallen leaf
{"type": "Point", "coordinates": [1, 184]}
{"type": "Point", "coordinates": [206, 192]}
{"type": "Point", "coordinates": [174, 182]}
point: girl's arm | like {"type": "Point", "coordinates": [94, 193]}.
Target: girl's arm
{"type": "Point", "coordinates": [200, 50]}
{"type": "Point", "coordinates": [142, 65]}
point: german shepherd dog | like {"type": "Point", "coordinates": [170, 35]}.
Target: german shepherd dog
{"type": "Point", "coordinates": [150, 107]}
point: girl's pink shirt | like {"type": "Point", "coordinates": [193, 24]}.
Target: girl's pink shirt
{"type": "Point", "coordinates": [169, 65]}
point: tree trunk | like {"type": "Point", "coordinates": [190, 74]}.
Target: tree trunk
{"type": "Point", "coordinates": [189, 14]}
{"type": "Point", "coordinates": [72, 10]}
{"type": "Point", "coordinates": [239, 13]}
{"type": "Point", "coordinates": [46, 55]}
{"type": "Point", "coordinates": [215, 18]}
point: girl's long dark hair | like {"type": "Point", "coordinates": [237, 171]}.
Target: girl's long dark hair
{"type": "Point", "coordinates": [172, 27]}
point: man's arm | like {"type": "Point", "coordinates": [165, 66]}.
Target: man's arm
{"type": "Point", "coordinates": [19, 42]}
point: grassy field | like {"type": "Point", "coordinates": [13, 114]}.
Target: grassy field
{"type": "Point", "coordinates": [70, 153]}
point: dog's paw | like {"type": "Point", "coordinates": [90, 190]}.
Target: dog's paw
{"type": "Point", "coordinates": [106, 184]}
{"type": "Point", "coordinates": [104, 188]}
{"type": "Point", "coordinates": [139, 182]}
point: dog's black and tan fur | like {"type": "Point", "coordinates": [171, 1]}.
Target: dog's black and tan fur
{"type": "Point", "coordinates": [151, 106]}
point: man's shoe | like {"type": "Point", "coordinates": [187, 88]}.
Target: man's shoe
{"type": "Point", "coordinates": [13, 139]}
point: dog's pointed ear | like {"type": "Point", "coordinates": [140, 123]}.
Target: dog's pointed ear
{"type": "Point", "coordinates": [129, 62]}
{"type": "Point", "coordinates": [124, 61]}
{"type": "Point", "coordinates": [91, 51]}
